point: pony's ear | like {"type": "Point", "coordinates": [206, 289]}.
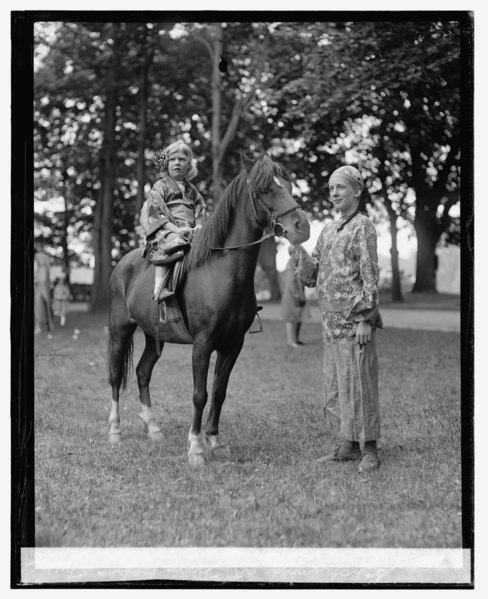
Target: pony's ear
{"type": "Point", "coordinates": [247, 162]}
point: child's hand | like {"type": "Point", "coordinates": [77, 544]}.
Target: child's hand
{"type": "Point", "coordinates": [185, 231]}
{"type": "Point", "coordinates": [363, 334]}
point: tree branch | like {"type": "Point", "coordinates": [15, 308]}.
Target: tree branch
{"type": "Point", "coordinates": [230, 130]}
{"type": "Point", "coordinates": [207, 44]}
{"type": "Point", "coordinates": [242, 105]}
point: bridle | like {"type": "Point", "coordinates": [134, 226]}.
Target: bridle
{"type": "Point", "coordinates": [272, 219]}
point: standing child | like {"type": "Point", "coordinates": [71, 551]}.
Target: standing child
{"type": "Point", "coordinates": [172, 214]}
{"type": "Point", "coordinates": [293, 303]}
{"type": "Point", "coordinates": [344, 267]}
{"type": "Point", "coordinates": [61, 297]}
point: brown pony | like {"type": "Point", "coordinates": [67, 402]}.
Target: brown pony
{"type": "Point", "coordinates": [216, 298]}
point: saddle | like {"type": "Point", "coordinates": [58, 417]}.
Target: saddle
{"type": "Point", "coordinates": [173, 251]}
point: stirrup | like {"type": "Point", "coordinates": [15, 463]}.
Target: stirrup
{"type": "Point", "coordinates": [162, 313]}
{"type": "Point", "coordinates": [164, 294]}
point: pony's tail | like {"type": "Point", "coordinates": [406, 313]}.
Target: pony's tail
{"type": "Point", "coordinates": [119, 357]}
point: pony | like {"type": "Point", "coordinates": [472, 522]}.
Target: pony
{"type": "Point", "coordinates": [216, 298]}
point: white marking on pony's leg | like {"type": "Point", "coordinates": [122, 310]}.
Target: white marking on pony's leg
{"type": "Point", "coordinates": [213, 442]}
{"type": "Point", "coordinates": [216, 446]}
{"type": "Point", "coordinates": [114, 423]}
{"type": "Point", "coordinates": [153, 430]}
{"type": "Point", "coordinates": [195, 452]}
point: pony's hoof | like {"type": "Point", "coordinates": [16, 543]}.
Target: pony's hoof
{"type": "Point", "coordinates": [156, 436]}
{"type": "Point", "coordinates": [222, 451]}
{"type": "Point", "coordinates": [114, 438]}
{"type": "Point", "coordinates": [196, 460]}
{"type": "Point", "coordinates": [216, 447]}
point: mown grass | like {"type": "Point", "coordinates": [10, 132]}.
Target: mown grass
{"type": "Point", "coordinates": [270, 491]}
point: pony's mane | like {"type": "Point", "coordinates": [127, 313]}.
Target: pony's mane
{"type": "Point", "coordinates": [216, 229]}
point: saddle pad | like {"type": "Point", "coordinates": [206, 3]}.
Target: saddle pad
{"type": "Point", "coordinates": [176, 274]}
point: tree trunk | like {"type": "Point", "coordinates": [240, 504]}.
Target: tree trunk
{"type": "Point", "coordinates": [267, 261]}
{"type": "Point", "coordinates": [64, 241]}
{"type": "Point", "coordinates": [103, 230]}
{"type": "Point", "coordinates": [216, 114]}
{"type": "Point", "coordinates": [104, 211]}
{"type": "Point", "coordinates": [396, 286]}
{"type": "Point", "coordinates": [97, 245]}
{"type": "Point", "coordinates": [427, 238]}
{"type": "Point", "coordinates": [141, 165]}
{"type": "Point", "coordinates": [219, 142]}
{"type": "Point", "coordinates": [427, 225]}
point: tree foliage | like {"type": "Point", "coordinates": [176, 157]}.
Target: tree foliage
{"type": "Point", "coordinates": [107, 96]}
{"type": "Point", "coordinates": [386, 95]}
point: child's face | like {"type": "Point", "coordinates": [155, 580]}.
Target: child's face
{"type": "Point", "coordinates": [178, 165]}
{"type": "Point", "coordinates": [343, 195]}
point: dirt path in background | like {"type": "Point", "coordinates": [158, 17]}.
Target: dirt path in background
{"type": "Point", "coordinates": [400, 318]}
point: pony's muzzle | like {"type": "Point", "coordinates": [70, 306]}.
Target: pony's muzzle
{"type": "Point", "coordinates": [279, 230]}
{"type": "Point", "coordinates": [299, 231]}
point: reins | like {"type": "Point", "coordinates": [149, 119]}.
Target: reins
{"type": "Point", "coordinates": [278, 230]}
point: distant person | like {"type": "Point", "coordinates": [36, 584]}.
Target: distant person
{"type": "Point", "coordinates": [61, 299]}
{"type": "Point", "coordinates": [172, 214]}
{"type": "Point", "coordinates": [344, 268]}
{"type": "Point", "coordinates": [42, 293]}
{"type": "Point", "coordinates": [293, 303]}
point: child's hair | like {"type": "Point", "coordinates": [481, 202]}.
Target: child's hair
{"type": "Point", "coordinates": [162, 158]}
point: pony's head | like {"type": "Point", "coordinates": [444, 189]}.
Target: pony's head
{"type": "Point", "coordinates": [260, 189]}
{"type": "Point", "coordinates": [262, 172]}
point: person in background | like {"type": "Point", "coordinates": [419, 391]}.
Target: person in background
{"type": "Point", "coordinates": [61, 299]}
{"type": "Point", "coordinates": [293, 303]}
{"type": "Point", "coordinates": [344, 268]}
{"type": "Point", "coordinates": [172, 214]}
{"type": "Point", "coordinates": [42, 293]}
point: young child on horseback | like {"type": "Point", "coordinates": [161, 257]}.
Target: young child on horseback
{"type": "Point", "coordinates": [173, 212]}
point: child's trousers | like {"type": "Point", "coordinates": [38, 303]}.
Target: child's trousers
{"type": "Point", "coordinates": [351, 402]}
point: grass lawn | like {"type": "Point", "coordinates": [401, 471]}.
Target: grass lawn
{"type": "Point", "coordinates": [270, 492]}
{"type": "Point", "coordinates": [423, 301]}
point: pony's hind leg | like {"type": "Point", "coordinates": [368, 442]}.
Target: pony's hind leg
{"type": "Point", "coordinates": [119, 360]}
{"type": "Point", "coordinates": [144, 371]}
{"type": "Point", "coordinates": [223, 367]}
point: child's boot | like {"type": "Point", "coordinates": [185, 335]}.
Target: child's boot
{"type": "Point", "coordinates": [161, 274]}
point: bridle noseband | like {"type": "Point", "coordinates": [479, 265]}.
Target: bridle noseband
{"type": "Point", "coordinates": [272, 220]}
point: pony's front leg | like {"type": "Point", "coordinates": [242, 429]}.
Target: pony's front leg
{"type": "Point", "coordinates": [200, 363]}
{"type": "Point", "coordinates": [223, 367]}
{"type": "Point", "coordinates": [144, 371]}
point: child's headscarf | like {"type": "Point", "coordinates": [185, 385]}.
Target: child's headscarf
{"type": "Point", "coordinates": [162, 158]}
{"type": "Point", "coordinates": [350, 174]}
